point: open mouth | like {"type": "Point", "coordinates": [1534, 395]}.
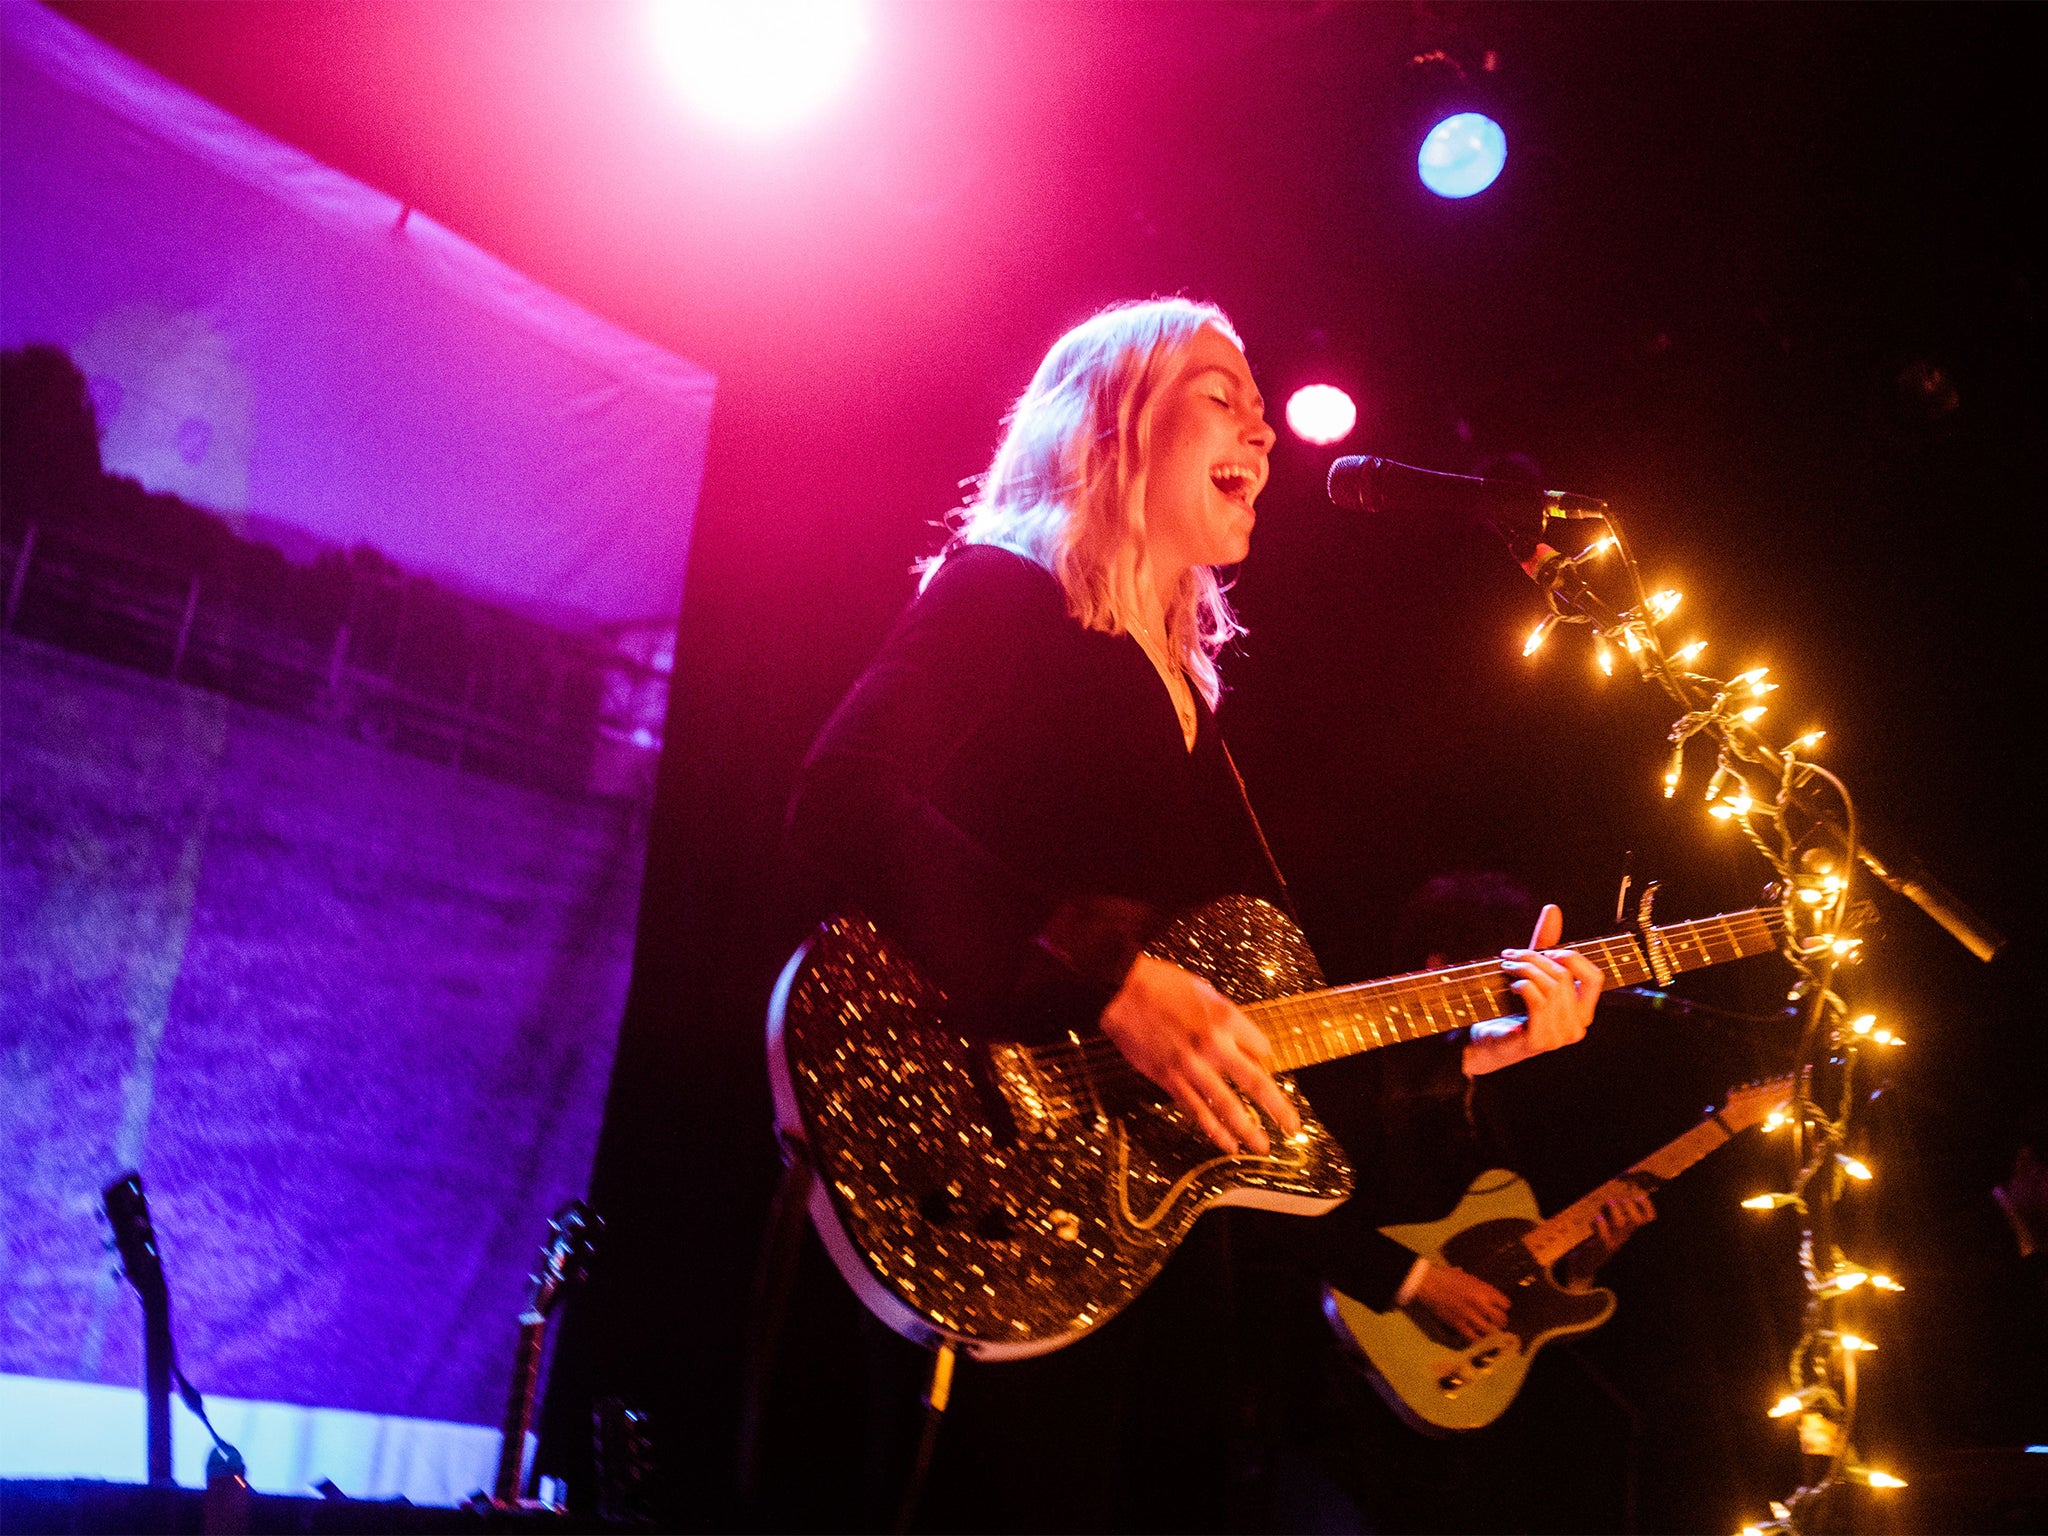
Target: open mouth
{"type": "Point", "coordinates": [1239, 482]}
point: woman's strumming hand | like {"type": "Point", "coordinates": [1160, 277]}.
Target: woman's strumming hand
{"type": "Point", "coordinates": [1196, 1044]}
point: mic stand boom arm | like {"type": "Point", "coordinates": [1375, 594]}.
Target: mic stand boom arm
{"type": "Point", "coordinates": [1815, 851]}
{"type": "Point", "coordinates": [1572, 598]}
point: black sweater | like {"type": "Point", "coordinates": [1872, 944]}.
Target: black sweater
{"type": "Point", "coordinates": [1010, 797]}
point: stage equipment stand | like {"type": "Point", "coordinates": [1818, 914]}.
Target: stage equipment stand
{"type": "Point", "coordinates": [142, 1261]}
{"type": "Point", "coordinates": [1803, 822]}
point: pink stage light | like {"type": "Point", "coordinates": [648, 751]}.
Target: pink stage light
{"type": "Point", "coordinates": [763, 65]}
{"type": "Point", "coordinates": [1321, 414]}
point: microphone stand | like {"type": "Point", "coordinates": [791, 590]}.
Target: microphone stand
{"type": "Point", "coordinates": [1716, 709]}
{"type": "Point", "coordinates": [1802, 820]}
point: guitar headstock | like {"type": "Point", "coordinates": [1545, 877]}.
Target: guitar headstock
{"type": "Point", "coordinates": [565, 1257]}
{"type": "Point", "coordinates": [1753, 1102]}
{"type": "Point", "coordinates": [134, 1235]}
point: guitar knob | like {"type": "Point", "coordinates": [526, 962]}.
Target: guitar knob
{"type": "Point", "coordinates": [1066, 1226]}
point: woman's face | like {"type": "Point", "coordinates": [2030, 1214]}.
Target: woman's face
{"type": "Point", "coordinates": [1207, 459]}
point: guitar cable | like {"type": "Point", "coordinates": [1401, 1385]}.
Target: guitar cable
{"type": "Point", "coordinates": [937, 1393]}
{"type": "Point", "coordinates": [223, 1459]}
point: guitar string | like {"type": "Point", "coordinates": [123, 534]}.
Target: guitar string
{"type": "Point", "coordinates": [1304, 1014]}
{"type": "Point", "coordinates": [1102, 1064]}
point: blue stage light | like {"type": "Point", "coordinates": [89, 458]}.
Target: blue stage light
{"type": "Point", "coordinates": [1462, 155]}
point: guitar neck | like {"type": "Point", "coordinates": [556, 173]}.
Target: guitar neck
{"type": "Point", "coordinates": [519, 1407]}
{"type": "Point", "coordinates": [1558, 1236]}
{"type": "Point", "coordinates": [1553, 1239]}
{"type": "Point", "coordinates": [1311, 1027]}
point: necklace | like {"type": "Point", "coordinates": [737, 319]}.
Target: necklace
{"type": "Point", "coordinates": [1177, 687]}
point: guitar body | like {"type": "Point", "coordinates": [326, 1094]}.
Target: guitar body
{"type": "Point", "coordinates": [1009, 1200]}
{"type": "Point", "coordinates": [1427, 1376]}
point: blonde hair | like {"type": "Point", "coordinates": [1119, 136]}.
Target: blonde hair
{"type": "Point", "coordinates": [1066, 488]}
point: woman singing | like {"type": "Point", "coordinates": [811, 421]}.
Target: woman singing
{"type": "Point", "coordinates": [1023, 787]}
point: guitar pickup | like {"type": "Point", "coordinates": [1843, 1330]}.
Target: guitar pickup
{"type": "Point", "coordinates": [1035, 1105]}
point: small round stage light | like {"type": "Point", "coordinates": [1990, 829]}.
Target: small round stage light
{"type": "Point", "coordinates": [1321, 414]}
{"type": "Point", "coordinates": [761, 66]}
{"type": "Point", "coordinates": [1462, 155]}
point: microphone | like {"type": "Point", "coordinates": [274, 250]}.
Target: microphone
{"type": "Point", "coordinates": [1365, 483]}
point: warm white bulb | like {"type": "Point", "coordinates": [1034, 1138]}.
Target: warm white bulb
{"type": "Point", "coordinates": [761, 67]}
{"type": "Point", "coordinates": [1321, 414]}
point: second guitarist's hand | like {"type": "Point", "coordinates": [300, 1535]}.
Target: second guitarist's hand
{"type": "Point", "coordinates": [1616, 1221]}
{"type": "Point", "coordinates": [1559, 989]}
{"type": "Point", "coordinates": [1464, 1303]}
{"type": "Point", "coordinates": [1196, 1044]}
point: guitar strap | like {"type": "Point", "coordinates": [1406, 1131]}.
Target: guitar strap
{"type": "Point", "coordinates": [1265, 848]}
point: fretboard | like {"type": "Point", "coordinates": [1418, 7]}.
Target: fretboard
{"type": "Point", "coordinates": [519, 1407]}
{"type": "Point", "coordinates": [1311, 1027]}
{"type": "Point", "coordinates": [1553, 1239]}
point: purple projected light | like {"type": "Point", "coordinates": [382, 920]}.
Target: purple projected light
{"type": "Point", "coordinates": [322, 874]}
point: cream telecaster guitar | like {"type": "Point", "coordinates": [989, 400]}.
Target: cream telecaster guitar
{"type": "Point", "coordinates": [1436, 1382]}
{"type": "Point", "coordinates": [1007, 1199]}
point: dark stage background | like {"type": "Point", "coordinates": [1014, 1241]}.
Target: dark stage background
{"type": "Point", "coordinates": [1766, 277]}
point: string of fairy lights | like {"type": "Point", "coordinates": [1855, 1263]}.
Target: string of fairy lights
{"type": "Point", "coordinates": [1800, 818]}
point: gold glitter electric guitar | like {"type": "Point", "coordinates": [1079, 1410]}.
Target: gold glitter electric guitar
{"type": "Point", "coordinates": [1006, 1199]}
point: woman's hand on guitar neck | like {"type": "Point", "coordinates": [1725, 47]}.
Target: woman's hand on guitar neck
{"type": "Point", "coordinates": [1196, 1044]}
{"type": "Point", "coordinates": [1559, 988]}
